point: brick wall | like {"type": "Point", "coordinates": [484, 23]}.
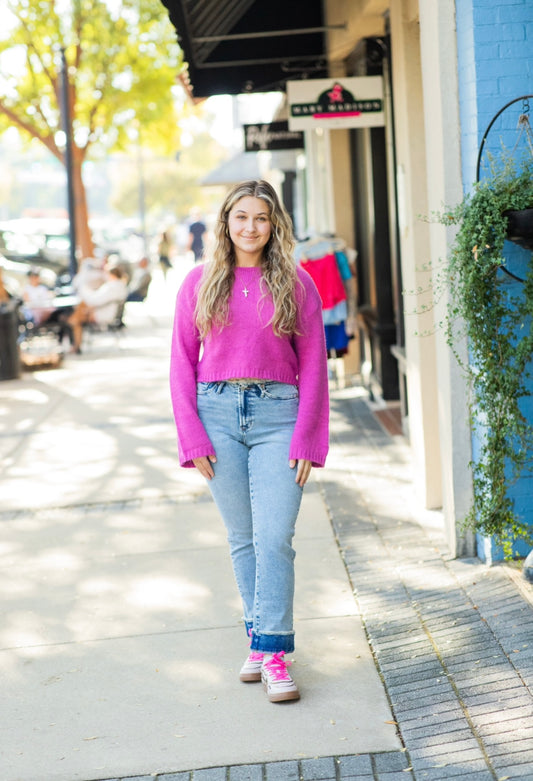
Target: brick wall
{"type": "Point", "coordinates": [495, 66]}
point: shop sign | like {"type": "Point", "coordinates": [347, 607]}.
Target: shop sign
{"type": "Point", "coordinates": [355, 101]}
{"type": "Point", "coordinates": [273, 135]}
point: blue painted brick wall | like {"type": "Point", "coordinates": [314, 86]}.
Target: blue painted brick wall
{"type": "Point", "coordinates": [495, 65]}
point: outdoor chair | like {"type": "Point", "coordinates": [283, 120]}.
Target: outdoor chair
{"type": "Point", "coordinates": [115, 327]}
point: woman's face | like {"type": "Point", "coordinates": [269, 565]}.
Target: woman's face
{"type": "Point", "coordinates": [249, 228]}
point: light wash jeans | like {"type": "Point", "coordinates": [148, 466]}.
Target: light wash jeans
{"type": "Point", "coordinates": [255, 491]}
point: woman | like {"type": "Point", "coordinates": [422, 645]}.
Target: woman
{"type": "Point", "coordinates": [100, 306]}
{"type": "Point", "coordinates": [250, 395]}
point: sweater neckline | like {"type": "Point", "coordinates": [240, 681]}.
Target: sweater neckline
{"type": "Point", "coordinates": [248, 269]}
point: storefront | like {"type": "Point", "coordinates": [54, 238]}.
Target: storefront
{"type": "Point", "coordinates": [362, 181]}
{"type": "Point", "coordinates": [442, 67]}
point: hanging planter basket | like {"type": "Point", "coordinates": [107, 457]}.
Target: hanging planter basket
{"type": "Point", "coordinates": [520, 227]}
{"type": "Point", "coordinates": [519, 221]}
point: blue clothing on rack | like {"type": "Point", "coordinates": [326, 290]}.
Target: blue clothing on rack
{"type": "Point", "coordinates": [344, 266]}
{"type": "Point", "coordinates": [336, 337]}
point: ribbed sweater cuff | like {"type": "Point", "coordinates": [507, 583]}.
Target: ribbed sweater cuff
{"type": "Point", "coordinates": [317, 458]}
{"type": "Point", "coordinates": [186, 458]}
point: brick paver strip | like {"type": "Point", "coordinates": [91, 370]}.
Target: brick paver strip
{"type": "Point", "coordinates": [210, 774]}
{"type": "Point", "coordinates": [318, 769]}
{"type": "Point", "coordinates": [282, 771]}
{"type": "Point", "coordinates": [355, 766]}
{"type": "Point", "coordinates": [246, 773]}
{"type": "Point", "coordinates": [170, 777]}
{"type": "Point", "coordinates": [454, 631]}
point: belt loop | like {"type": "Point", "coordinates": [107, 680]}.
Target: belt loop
{"type": "Point", "coordinates": [220, 386]}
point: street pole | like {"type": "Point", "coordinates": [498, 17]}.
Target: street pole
{"type": "Point", "coordinates": [142, 193]}
{"type": "Point", "coordinates": [67, 129]}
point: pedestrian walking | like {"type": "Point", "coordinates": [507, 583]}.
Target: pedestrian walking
{"type": "Point", "coordinates": [197, 230]}
{"type": "Point", "coordinates": [163, 253]}
{"type": "Point", "coordinates": [249, 388]}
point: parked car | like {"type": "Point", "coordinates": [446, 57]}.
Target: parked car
{"type": "Point", "coordinates": [49, 250]}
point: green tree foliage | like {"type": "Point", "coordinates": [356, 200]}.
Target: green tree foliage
{"type": "Point", "coordinates": [122, 63]}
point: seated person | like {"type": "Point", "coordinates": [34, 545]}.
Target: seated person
{"type": "Point", "coordinates": [37, 299]}
{"type": "Point", "coordinates": [91, 274]}
{"type": "Point", "coordinates": [140, 281]}
{"type": "Point", "coordinates": [98, 306]}
{"type": "Point", "coordinates": [4, 293]}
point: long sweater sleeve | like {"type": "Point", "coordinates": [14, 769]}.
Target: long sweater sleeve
{"type": "Point", "coordinates": [193, 441]}
{"type": "Point", "coordinates": [311, 433]}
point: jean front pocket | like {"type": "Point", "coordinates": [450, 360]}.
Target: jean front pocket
{"type": "Point", "coordinates": [207, 388]}
{"type": "Point", "coordinates": [281, 391]}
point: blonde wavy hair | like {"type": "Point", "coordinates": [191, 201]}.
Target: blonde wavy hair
{"type": "Point", "coordinates": [278, 265]}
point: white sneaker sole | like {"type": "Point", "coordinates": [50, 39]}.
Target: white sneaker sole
{"type": "Point", "coordinates": [250, 677]}
{"type": "Point", "coordinates": [293, 694]}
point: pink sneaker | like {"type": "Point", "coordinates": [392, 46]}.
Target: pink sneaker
{"type": "Point", "coordinates": [277, 682]}
{"type": "Point", "coordinates": [251, 669]}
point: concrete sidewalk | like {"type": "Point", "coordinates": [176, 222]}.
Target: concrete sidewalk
{"type": "Point", "coordinates": [120, 638]}
{"type": "Point", "coordinates": [121, 634]}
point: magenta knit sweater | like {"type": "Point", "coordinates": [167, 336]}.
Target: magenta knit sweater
{"type": "Point", "coordinates": [248, 347]}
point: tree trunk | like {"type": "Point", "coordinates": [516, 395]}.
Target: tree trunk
{"type": "Point", "coordinates": [84, 241]}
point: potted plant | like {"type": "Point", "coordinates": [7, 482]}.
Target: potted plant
{"type": "Point", "coordinates": [520, 227]}
{"type": "Point", "coordinates": [496, 315]}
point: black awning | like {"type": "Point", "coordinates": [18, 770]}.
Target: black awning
{"type": "Point", "coordinates": [239, 46]}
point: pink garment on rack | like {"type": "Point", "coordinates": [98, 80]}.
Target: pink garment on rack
{"type": "Point", "coordinates": [326, 276]}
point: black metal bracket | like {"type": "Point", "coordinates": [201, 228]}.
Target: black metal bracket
{"type": "Point", "coordinates": [478, 164]}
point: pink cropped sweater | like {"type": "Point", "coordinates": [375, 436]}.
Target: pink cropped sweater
{"type": "Point", "coordinates": [248, 347]}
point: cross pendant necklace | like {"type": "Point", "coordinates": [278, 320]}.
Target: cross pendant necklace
{"type": "Point", "coordinates": [245, 291]}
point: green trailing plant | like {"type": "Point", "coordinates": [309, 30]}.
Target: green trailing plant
{"type": "Point", "coordinates": [496, 316]}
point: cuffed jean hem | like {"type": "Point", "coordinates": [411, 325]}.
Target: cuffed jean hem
{"type": "Point", "coordinates": [266, 643]}
{"type": "Point", "coordinates": [272, 644]}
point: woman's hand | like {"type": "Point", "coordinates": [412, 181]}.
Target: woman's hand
{"type": "Point", "coordinates": [302, 472]}
{"type": "Point", "coordinates": [203, 465]}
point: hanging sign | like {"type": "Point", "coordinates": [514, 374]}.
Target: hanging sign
{"type": "Point", "coordinates": [355, 101]}
{"type": "Point", "coordinates": [273, 135]}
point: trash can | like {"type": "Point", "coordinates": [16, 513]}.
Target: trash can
{"type": "Point", "coordinates": [9, 347]}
